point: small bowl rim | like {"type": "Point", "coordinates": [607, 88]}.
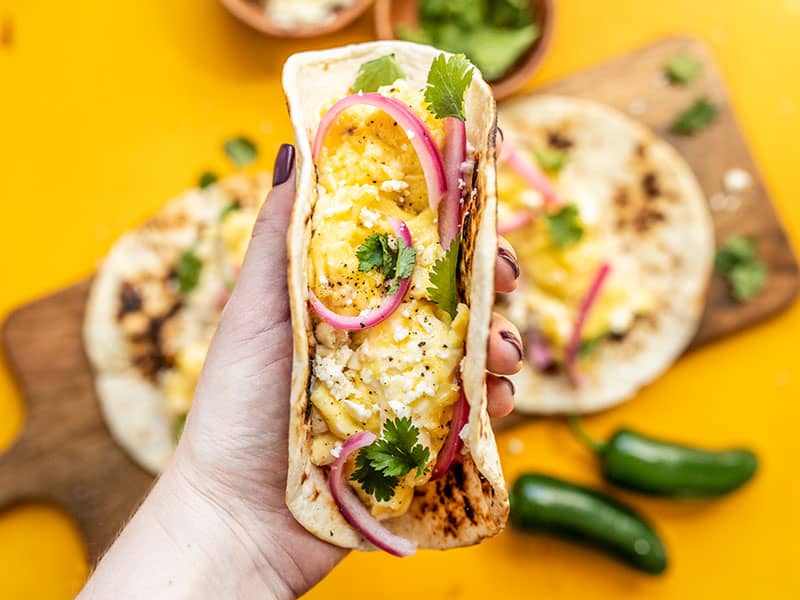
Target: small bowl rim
{"type": "Point", "coordinates": [248, 12]}
{"type": "Point", "coordinates": [522, 70]}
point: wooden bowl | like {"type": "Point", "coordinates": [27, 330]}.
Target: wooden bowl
{"type": "Point", "coordinates": [390, 15]}
{"type": "Point", "coordinates": [253, 13]}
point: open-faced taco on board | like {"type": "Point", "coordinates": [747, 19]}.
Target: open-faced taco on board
{"type": "Point", "coordinates": [615, 245]}
{"type": "Point", "coordinates": [154, 305]}
{"type": "Point", "coordinates": [392, 248]}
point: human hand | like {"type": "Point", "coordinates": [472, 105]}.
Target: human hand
{"type": "Point", "coordinates": [223, 495]}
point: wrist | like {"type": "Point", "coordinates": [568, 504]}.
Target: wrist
{"type": "Point", "coordinates": [180, 544]}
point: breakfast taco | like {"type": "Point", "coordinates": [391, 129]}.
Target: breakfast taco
{"type": "Point", "coordinates": [154, 305]}
{"type": "Point", "coordinates": [615, 244]}
{"type": "Point", "coordinates": [392, 247]}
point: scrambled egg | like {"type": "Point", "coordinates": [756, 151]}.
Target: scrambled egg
{"type": "Point", "coordinates": [406, 366]}
{"type": "Point", "coordinates": [556, 280]}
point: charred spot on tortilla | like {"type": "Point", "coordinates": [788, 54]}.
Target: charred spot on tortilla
{"type": "Point", "coordinates": [559, 140]}
{"type": "Point", "coordinates": [650, 185]}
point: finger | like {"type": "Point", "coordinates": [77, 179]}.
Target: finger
{"type": "Point", "coordinates": [505, 347]}
{"type": "Point", "coordinates": [262, 280]}
{"type": "Point", "coordinates": [506, 271]}
{"type": "Point", "coordinates": [500, 392]}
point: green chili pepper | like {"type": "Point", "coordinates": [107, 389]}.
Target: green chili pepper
{"type": "Point", "coordinates": [540, 503]}
{"type": "Point", "coordinates": [641, 463]}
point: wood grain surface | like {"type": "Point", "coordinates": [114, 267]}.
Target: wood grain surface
{"type": "Point", "coordinates": [65, 453]}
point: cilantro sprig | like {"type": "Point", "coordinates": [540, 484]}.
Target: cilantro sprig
{"type": "Point", "coordinates": [550, 159]}
{"type": "Point", "coordinates": [736, 259]}
{"type": "Point", "coordinates": [395, 454]}
{"type": "Point", "coordinates": [700, 114]}
{"type": "Point", "coordinates": [682, 69]}
{"type": "Point", "coordinates": [188, 271]}
{"type": "Point", "coordinates": [448, 80]}
{"type": "Point", "coordinates": [564, 226]}
{"type": "Point", "coordinates": [376, 73]}
{"type": "Point", "coordinates": [443, 290]}
{"type": "Point", "coordinates": [391, 256]}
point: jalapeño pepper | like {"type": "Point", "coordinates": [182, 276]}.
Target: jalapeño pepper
{"type": "Point", "coordinates": [645, 464]}
{"type": "Point", "coordinates": [540, 503]}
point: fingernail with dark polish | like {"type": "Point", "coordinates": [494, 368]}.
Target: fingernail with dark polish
{"type": "Point", "coordinates": [510, 259]}
{"type": "Point", "coordinates": [511, 385]}
{"type": "Point", "coordinates": [284, 163]}
{"type": "Point", "coordinates": [514, 341]}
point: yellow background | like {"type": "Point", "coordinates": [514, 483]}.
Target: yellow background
{"type": "Point", "coordinates": [108, 109]}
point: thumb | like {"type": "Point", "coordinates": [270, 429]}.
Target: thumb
{"type": "Point", "coordinates": [260, 299]}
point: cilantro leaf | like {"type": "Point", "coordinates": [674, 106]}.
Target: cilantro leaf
{"type": "Point", "coordinates": [564, 226]}
{"type": "Point", "coordinates": [397, 452]}
{"type": "Point", "coordinates": [550, 159]}
{"type": "Point", "coordinates": [231, 207]}
{"type": "Point", "coordinates": [588, 346]}
{"type": "Point", "coordinates": [373, 481]}
{"type": "Point", "coordinates": [394, 259]}
{"type": "Point", "coordinates": [737, 261]}
{"type": "Point", "coordinates": [734, 251]}
{"type": "Point", "coordinates": [406, 259]}
{"type": "Point", "coordinates": [241, 151]}
{"type": "Point", "coordinates": [188, 271]}
{"type": "Point", "coordinates": [376, 73]}
{"type": "Point", "coordinates": [374, 253]}
{"type": "Point", "coordinates": [380, 465]}
{"type": "Point", "coordinates": [448, 80]}
{"type": "Point", "coordinates": [443, 290]}
{"type": "Point", "coordinates": [682, 69]}
{"type": "Point", "coordinates": [701, 113]}
{"type": "Point", "coordinates": [177, 428]}
{"type": "Point", "coordinates": [206, 179]}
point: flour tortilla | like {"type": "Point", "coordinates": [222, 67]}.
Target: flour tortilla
{"type": "Point", "coordinates": [669, 233]}
{"type": "Point", "coordinates": [470, 502]}
{"type": "Point", "coordinates": [139, 269]}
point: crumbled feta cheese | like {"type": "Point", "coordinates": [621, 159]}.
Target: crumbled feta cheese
{"type": "Point", "coordinates": [399, 409]}
{"type": "Point", "coordinates": [336, 451]}
{"type": "Point", "coordinates": [400, 333]}
{"type": "Point", "coordinates": [394, 185]}
{"type": "Point", "coordinates": [368, 217]}
{"type": "Point", "coordinates": [406, 313]}
{"type": "Point", "coordinates": [360, 412]}
{"type": "Point", "coordinates": [620, 319]}
{"type": "Point", "coordinates": [736, 180]}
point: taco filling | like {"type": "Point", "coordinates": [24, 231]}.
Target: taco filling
{"type": "Point", "coordinates": [389, 325]}
{"type": "Point", "coordinates": [577, 290]}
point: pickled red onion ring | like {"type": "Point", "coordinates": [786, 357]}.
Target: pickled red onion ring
{"type": "Point", "coordinates": [453, 442]}
{"type": "Point", "coordinates": [354, 511]}
{"type": "Point", "coordinates": [371, 317]}
{"type": "Point", "coordinates": [532, 175]}
{"type": "Point", "coordinates": [538, 350]}
{"type": "Point", "coordinates": [517, 221]}
{"type": "Point", "coordinates": [418, 135]}
{"type": "Point", "coordinates": [571, 354]}
{"type": "Point", "coordinates": [455, 153]}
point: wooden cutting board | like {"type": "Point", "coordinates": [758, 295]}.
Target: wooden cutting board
{"type": "Point", "coordinates": [65, 453]}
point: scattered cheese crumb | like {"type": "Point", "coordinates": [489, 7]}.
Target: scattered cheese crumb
{"type": "Point", "coordinates": [637, 107]}
{"type": "Point", "coordinates": [368, 217]}
{"type": "Point", "coordinates": [336, 451]}
{"type": "Point", "coordinates": [736, 180]}
{"type": "Point", "coordinates": [515, 446]}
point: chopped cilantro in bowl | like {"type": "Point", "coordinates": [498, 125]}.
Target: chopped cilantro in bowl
{"type": "Point", "coordinates": [493, 34]}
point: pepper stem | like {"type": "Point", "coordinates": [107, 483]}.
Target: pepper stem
{"type": "Point", "coordinates": [577, 429]}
